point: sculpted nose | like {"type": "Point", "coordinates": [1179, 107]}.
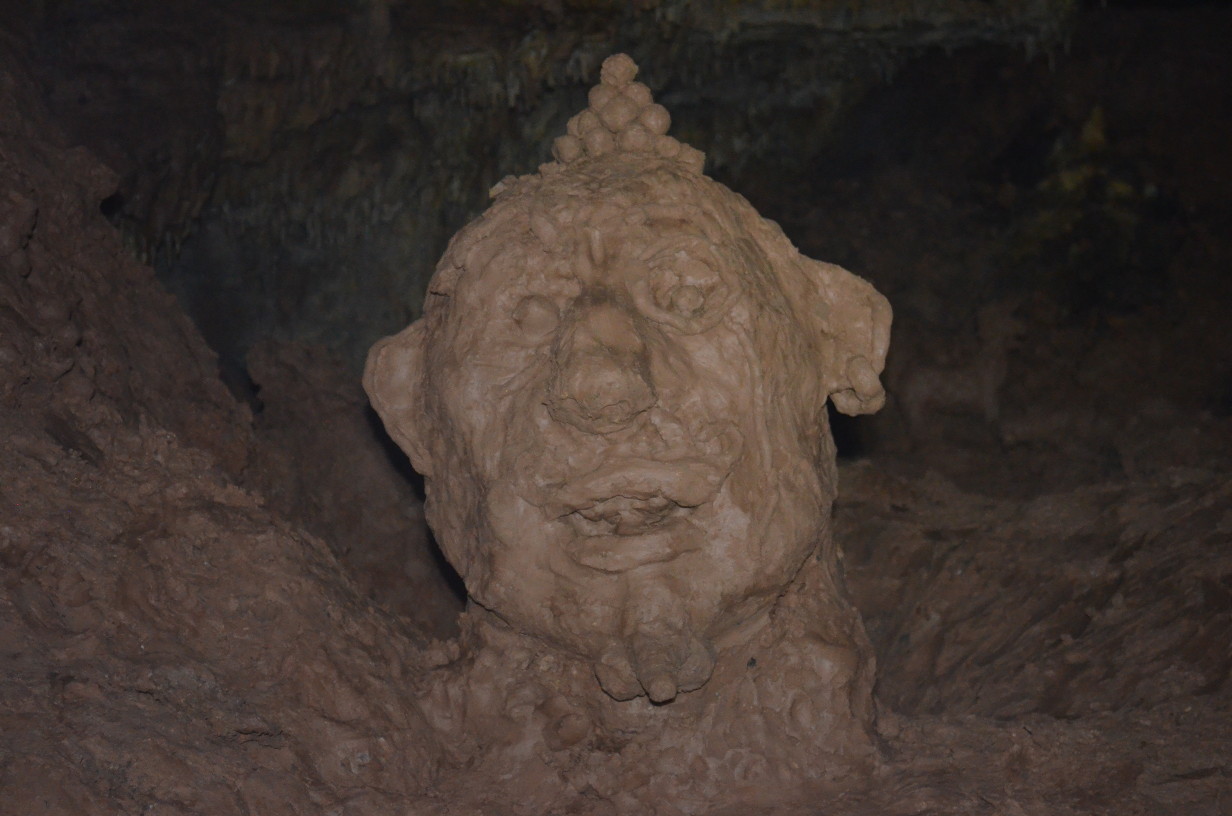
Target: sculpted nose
{"type": "Point", "coordinates": [601, 381]}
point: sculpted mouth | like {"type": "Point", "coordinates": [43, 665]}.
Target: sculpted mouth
{"type": "Point", "coordinates": [628, 514]}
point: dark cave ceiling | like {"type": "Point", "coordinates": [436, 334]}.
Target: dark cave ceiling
{"type": "Point", "coordinates": [293, 170]}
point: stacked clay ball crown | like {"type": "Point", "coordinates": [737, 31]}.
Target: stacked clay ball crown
{"type": "Point", "coordinates": [622, 117]}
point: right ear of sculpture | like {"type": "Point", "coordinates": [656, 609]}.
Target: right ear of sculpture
{"type": "Point", "coordinates": [855, 338]}
{"type": "Point", "coordinates": [393, 378]}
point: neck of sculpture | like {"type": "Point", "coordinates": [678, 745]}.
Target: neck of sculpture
{"type": "Point", "coordinates": [791, 686]}
{"type": "Point", "coordinates": [488, 639]}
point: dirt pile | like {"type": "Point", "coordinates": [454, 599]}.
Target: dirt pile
{"type": "Point", "coordinates": [167, 642]}
{"type": "Point", "coordinates": [320, 459]}
{"type": "Point", "coordinates": [1048, 593]}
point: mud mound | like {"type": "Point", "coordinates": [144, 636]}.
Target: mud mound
{"type": "Point", "coordinates": [198, 615]}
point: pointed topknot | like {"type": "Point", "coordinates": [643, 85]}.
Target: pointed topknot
{"type": "Point", "coordinates": [622, 117]}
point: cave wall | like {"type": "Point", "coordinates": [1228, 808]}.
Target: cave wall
{"type": "Point", "coordinates": [294, 172]}
{"type": "Point", "coordinates": [169, 644]}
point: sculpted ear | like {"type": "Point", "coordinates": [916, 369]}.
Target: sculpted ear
{"type": "Point", "coordinates": [393, 378]}
{"type": "Point", "coordinates": [854, 320]}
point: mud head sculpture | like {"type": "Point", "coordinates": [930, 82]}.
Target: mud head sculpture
{"type": "Point", "coordinates": [616, 396]}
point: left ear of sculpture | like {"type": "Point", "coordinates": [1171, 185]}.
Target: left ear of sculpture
{"type": "Point", "coordinates": [854, 323]}
{"type": "Point", "coordinates": [393, 378]}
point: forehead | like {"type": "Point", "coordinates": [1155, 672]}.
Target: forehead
{"type": "Point", "coordinates": [561, 239]}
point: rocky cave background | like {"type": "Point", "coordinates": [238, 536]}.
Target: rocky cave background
{"type": "Point", "coordinates": [217, 584]}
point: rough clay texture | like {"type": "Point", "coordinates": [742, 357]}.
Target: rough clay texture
{"type": "Point", "coordinates": [1051, 609]}
{"type": "Point", "coordinates": [617, 398]}
{"type": "Point", "coordinates": [167, 644]}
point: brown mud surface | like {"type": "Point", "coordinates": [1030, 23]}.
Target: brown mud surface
{"type": "Point", "coordinates": [203, 612]}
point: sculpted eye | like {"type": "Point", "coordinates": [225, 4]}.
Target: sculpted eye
{"type": "Point", "coordinates": [683, 291]}
{"type": "Point", "coordinates": [535, 315]}
{"type": "Point", "coordinates": [681, 285]}
{"type": "Point", "coordinates": [685, 300]}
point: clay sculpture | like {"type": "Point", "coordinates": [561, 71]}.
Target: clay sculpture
{"type": "Point", "coordinates": [617, 398]}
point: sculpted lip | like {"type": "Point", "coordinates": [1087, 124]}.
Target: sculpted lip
{"type": "Point", "coordinates": [631, 513]}
{"type": "Point", "coordinates": [625, 515]}
{"type": "Point", "coordinates": [686, 482]}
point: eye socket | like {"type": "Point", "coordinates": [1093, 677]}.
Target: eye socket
{"type": "Point", "coordinates": [680, 284]}
{"type": "Point", "coordinates": [536, 316]}
{"type": "Point", "coordinates": [683, 291]}
{"type": "Point", "coordinates": [685, 300]}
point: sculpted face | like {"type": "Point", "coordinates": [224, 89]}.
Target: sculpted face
{"type": "Point", "coordinates": [616, 396]}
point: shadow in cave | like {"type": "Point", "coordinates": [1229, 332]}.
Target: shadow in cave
{"type": "Point", "coordinates": [402, 465]}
